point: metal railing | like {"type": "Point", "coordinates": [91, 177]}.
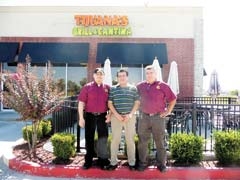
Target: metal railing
{"type": "Point", "coordinates": [65, 119]}
{"type": "Point", "coordinates": [204, 119]}
{"type": "Point", "coordinates": [209, 100]}
{"type": "Point", "coordinates": [201, 119]}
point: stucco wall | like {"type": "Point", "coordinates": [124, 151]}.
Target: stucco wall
{"type": "Point", "coordinates": [151, 22]}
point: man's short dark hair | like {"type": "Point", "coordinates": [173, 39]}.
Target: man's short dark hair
{"type": "Point", "coordinates": [122, 70]}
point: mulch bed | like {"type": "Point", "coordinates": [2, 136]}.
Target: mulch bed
{"type": "Point", "coordinates": [21, 153]}
{"type": "Point", "coordinates": [44, 157]}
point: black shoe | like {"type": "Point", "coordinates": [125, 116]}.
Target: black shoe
{"type": "Point", "coordinates": [112, 167]}
{"type": "Point", "coordinates": [104, 167]}
{"type": "Point", "coordinates": [103, 163]}
{"type": "Point", "coordinates": [141, 168]}
{"type": "Point", "coordinates": [86, 166]}
{"type": "Point", "coordinates": [162, 168]}
{"type": "Point", "coordinates": [132, 168]}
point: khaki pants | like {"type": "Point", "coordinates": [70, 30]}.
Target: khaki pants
{"type": "Point", "coordinates": [130, 132]}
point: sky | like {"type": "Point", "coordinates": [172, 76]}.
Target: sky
{"type": "Point", "coordinates": [221, 31]}
{"type": "Point", "coordinates": [221, 42]}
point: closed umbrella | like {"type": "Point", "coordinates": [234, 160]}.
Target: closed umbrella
{"type": "Point", "coordinates": [108, 73]}
{"type": "Point", "coordinates": [173, 78]}
{"type": "Point", "coordinates": [214, 86]}
{"type": "Point", "coordinates": [157, 69]}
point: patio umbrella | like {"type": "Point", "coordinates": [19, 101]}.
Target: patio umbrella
{"type": "Point", "coordinates": [108, 73]}
{"type": "Point", "coordinates": [173, 78]}
{"type": "Point", "coordinates": [214, 86]}
{"type": "Point", "coordinates": [157, 69]}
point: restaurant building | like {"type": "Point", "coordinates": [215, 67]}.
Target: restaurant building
{"type": "Point", "coordinates": [78, 39]}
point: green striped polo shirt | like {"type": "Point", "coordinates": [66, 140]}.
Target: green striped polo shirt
{"type": "Point", "coordinates": [123, 98]}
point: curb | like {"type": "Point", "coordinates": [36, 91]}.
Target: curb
{"type": "Point", "coordinates": [122, 172]}
{"type": "Point", "coordinates": [7, 154]}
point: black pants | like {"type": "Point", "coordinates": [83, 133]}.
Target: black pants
{"type": "Point", "coordinates": [91, 123]}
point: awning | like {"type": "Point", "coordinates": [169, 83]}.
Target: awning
{"type": "Point", "coordinates": [8, 51]}
{"type": "Point", "coordinates": [131, 53]}
{"type": "Point", "coordinates": [72, 53]}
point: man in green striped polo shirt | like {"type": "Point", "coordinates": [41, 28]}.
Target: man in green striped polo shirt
{"type": "Point", "coordinates": [123, 102]}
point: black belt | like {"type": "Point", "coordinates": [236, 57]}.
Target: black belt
{"type": "Point", "coordinates": [96, 113]}
{"type": "Point", "coordinates": [151, 114]}
{"type": "Point", "coordinates": [124, 113]}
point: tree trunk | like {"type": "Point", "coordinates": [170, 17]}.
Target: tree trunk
{"type": "Point", "coordinates": [35, 126]}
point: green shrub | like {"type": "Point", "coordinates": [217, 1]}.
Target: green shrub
{"type": "Point", "coordinates": [63, 145]}
{"type": "Point", "coordinates": [44, 130]}
{"type": "Point", "coordinates": [186, 148]}
{"type": "Point", "coordinates": [227, 147]}
{"type": "Point", "coordinates": [95, 144]}
{"type": "Point", "coordinates": [27, 133]}
{"type": "Point", "coordinates": [109, 144]}
{"type": "Point", "coordinates": [150, 146]}
{"type": "Point", "coordinates": [46, 127]}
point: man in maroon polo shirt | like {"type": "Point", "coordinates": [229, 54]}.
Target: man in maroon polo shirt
{"type": "Point", "coordinates": [154, 97]}
{"type": "Point", "coordinates": [93, 99]}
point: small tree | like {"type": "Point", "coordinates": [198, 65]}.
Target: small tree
{"type": "Point", "coordinates": [61, 84]}
{"type": "Point", "coordinates": [32, 97]}
{"type": "Point", "coordinates": [82, 82]}
{"type": "Point", "coordinates": [73, 88]}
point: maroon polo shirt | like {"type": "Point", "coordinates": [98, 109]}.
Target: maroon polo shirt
{"type": "Point", "coordinates": [95, 97]}
{"type": "Point", "coordinates": [153, 97]}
